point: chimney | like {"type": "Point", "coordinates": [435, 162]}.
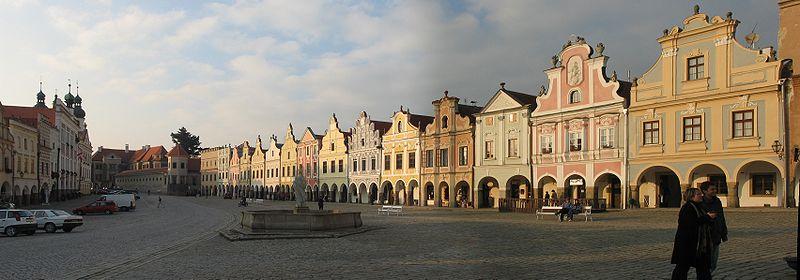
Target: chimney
{"type": "Point", "coordinates": [127, 148]}
{"type": "Point", "coordinates": [147, 147]}
{"type": "Point", "coordinates": [100, 149]}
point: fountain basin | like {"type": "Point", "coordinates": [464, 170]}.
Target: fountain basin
{"type": "Point", "coordinates": [258, 220]}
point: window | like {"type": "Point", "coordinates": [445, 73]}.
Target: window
{"type": "Point", "coordinates": [341, 165]}
{"type": "Point", "coordinates": [333, 166]}
{"type": "Point", "coordinates": [399, 126]}
{"type": "Point", "coordinates": [308, 150]}
{"type": "Point", "coordinates": [546, 144]}
{"type": "Point", "coordinates": [488, 149]}
{"type": "Point", "coordinates": [513, 147]}
{"type": "Point", "coordinates": [324, 167]}
{"type": "Point", "coordinates": [650, 132]}
{"type": "Point", "coordinates": [315, 169]}
{"type": "Point", "coordinates": [743, 124]}
{"type": "Point", "coordinates": [607, 138]}
{"type": "Point", "coordinates": [183, 165]}
{"type": "Point", "coordinates": [575, 141]}
{"type": "Point", "coordinates": [695, 68]}
{"type": "Point", "coordinates": [174, 165]}
{"type": "Point", "coordinates": [429, 158]}
{"type": "Point", "coordinates": [398, 161]}
{"type": "Point", "coordinates": [574, 96]}
{"type": "Point", "coordinates": [373, 163]}
{"type": "Point", "coordinates": [762, 184]}
{"type": "Point", "coordinates": [333, 146]}
{"type": "Point", "coordinates": [363, 164]}
{"type": "Point", "coordinates": [387, 162]}
{"type": "Point", "coordinates": [412, 160]}
{"type": "Point", "coordinates": [512, 117]}
{"type": "Point", "coordinates": [489, 121]}
{"type": "Point", "coordinates": [355, 165]}
{"type": "Point", "coordinates": [294, 170]}
{"type": "Point", "coordinates": [443, 156]}
{"type": "Point", "coordinates": [718, 180]}
{"type": "Point", "coordinates": [692, 129]}
{"type": "Point", "coordinates": [462, 156]}
{"type": "Point", "coordinates": [444, 122]}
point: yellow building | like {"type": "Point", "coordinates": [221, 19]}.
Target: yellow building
{"type": "Point", "coordinates": [333, 162]}
{"type": "Point", "coordinates": [288, 161]}
{"type": "Point", "coordinates": [709, 109]}
{"type": "Point", "coordinates": [209, 174]}
{"type": "Point", "coordinates": [789, 48]}
{"type": "Point", "coordinates": [401, 152]}
{"type": "Point", "coordinates": [6, 151]}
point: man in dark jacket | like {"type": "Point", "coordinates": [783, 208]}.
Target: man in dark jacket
{"type": "Point", "coordinates": [719, 230]}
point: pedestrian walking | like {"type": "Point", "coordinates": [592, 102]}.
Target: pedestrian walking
{"type": "Point", "coordinates": [320, 203]}
{"type": "Point", "coordinates": [554, 197]}
{"type": "Point", "coordinates": [719, 230]}
{"type": "Point", "coordinates": [160, 205]}
{"type": "Point", "coordinates": [693, 242]}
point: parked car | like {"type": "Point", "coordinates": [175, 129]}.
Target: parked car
{"type": "Point", "coordinates": [16, 221]}
{"type": "Point", "coordinates": [125, 201]}
{"type": "Point", "coordinates": [108, 207]}
{"type": "Point", "coordinates": [52, 220]}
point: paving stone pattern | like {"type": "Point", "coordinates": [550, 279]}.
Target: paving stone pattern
{"type": "Point", "coordinates": [425, 243]}
{"type": "Point", "coordinates": [431, 243]}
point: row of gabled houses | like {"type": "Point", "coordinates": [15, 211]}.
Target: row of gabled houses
{"type": "Point", "coordinates": [709, 110]}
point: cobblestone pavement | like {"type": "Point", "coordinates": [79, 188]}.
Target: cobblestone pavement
{"type": "Point", "coordinates": [481, 244]}
{"type": "Point", "coordinates": [106, 241]}
{"type": "Point", "coordinates": [425, 243]}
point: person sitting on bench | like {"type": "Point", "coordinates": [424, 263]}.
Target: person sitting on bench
{"type": "Point", "coordinates": [566, 209]}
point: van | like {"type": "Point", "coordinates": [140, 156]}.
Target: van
{"type": "Point", "coordinates": [125, 202]}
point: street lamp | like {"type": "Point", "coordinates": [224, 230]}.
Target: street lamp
{"type": "Point", "coordinates": [777, 147]}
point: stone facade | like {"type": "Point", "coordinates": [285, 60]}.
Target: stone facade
{"type": "Point", "coordinates": [578, 131]}
{"type": "Point", "coordinates": [789, 48]}
{"type": "Point", "coordinates": [209, 171]}
{"type": "Point", "coordinates": [308, 160]}
{"type": "Point", "coordinates": [400, 175]}
{"type": "Point", "coordinates": [709, 109]}
{"type": "Point", "coordinates": [502, 147]}
{"type": "Point", "coordinates": [332, 174]}
{"type": "Point", "coordinates": [6, 153]}
{"type": "Point", "coordinates": [365, 148]}
{"type": "Point", "coordinates": [448, 155]}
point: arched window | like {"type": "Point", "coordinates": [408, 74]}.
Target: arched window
{"type": "Point", "coordinates": [444, 122]}
{"type": "Point", "coordinates": [400, 126]}
{"type": "Point", "coordinates": [362, 142]}
{"type": "Point", "coordinates": [574, 96]}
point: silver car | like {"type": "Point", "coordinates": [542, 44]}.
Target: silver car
{"type": "Point", "coordinates": [52, 220]}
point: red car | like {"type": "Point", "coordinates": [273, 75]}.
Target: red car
{"type": "Point", "coordinates": [108, 207]}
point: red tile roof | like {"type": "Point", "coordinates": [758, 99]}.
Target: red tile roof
{"type": "Point", "coordinates": [420, 121]}
{"type": "Point", "coordinates": [148, 154]}
{"type": "Point", "coordinates": [177, 151]}
{"type": "Point", "coordinates": [29, 113]}
{"type": "Point", "coordinates": [382, 126]}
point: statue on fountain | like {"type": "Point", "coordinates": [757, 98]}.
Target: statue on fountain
{"type": "Point", "coordinates": [299, 193]}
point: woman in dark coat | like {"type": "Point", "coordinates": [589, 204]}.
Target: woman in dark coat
{"type": "Point", "coordinates": [693, 242]}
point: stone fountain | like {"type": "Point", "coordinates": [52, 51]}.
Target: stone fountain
{"type": "Point", "coordinates": [300, 222]}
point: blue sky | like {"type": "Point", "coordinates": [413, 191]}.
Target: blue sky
{"type": "Point", "coordinates": [232, 70]}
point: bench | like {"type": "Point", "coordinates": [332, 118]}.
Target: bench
{"type": "Point", "coordinates": [388, 209]}
{"type": "Point", "coordinates": [586, 213]}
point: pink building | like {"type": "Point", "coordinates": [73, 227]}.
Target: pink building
{"type": "Point", "coordinates": [308, 161]}
{"type": "Point", "coordinates": [578, 129]}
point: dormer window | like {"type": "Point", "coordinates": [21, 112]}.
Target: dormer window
{"type": "Point", "coordinates": [574, 96]}
{"type": "Point", "coordinates": [444, 122]}
{"type": "Point", "coordinates": [695, 70]}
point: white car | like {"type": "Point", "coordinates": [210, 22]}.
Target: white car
{"type": "Point", "coordinates": [13, 221]}
{"type": "Point", "coordinates": [52, 220]}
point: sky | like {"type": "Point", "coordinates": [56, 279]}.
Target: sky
{"type": "Point", "coordinates": [229, 71]}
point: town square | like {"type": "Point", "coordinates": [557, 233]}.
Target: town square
{"type": "Point", "coordinates": [399, 140]}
